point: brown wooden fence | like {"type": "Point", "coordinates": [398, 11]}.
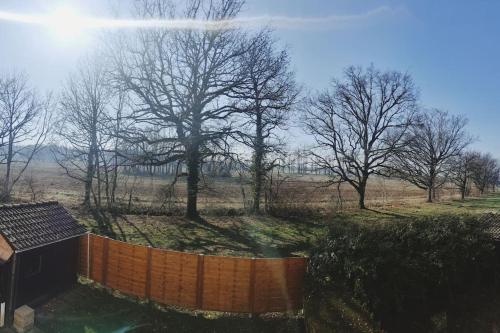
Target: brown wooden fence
{"type": "Point", "coordinates": [195, 281]}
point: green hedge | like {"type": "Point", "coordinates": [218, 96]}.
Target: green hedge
{"type": "Point", "coordinates": [413, 276]}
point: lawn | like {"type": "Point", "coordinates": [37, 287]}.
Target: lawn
{"type": "Point", "coordinates": [473, 205]}
{"type": "Point", "coordinates": [86, 309]}
{"type": "Point", "coordinates": [259, 236]}
{"type": "Point", "coordinates": [267, 236]}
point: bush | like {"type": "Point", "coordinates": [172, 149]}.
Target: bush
{"type": "Point", "coordinates": [409, 275]}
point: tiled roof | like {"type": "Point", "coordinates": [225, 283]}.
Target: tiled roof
{"type": "Point", "coordinates": [32, 225]}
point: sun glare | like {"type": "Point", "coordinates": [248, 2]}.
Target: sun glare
{"type": "Point", "coordinates": [66, 23]}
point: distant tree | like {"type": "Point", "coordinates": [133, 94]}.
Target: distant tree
{"type": "Point", "coordinates": [34, 188]}
{"type": "Point", "coordinates": [24, 126]}
{"type": "Point", "coordinates": [485, 172]}
{"type": "Point", "coordinates": [82, 126]}
{"type": "Point", "coordinates": [462, 168]}
{"type": "Point", "coordinates": [361, 123]}
{"type": "Point", "coordinates": [182, 83]}
{"type": "Point", "coordinates": [268, 93]}
{"type": "Point", "coordinates": [433, 144]}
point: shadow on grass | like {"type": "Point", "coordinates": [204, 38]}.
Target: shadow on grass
{"type": "Point", "coordinates": [89, 310]}
{"type": "Point", "coordinates": [392, 214]}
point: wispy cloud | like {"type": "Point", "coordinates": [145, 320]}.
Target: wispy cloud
{"type": "Point", "coordinates": [279, 22]}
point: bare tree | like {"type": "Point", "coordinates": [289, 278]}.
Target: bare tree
{"type": "Point", "coordinates": [434, 143]}
{"type": "Point", "coordinates": [34, 188]}
{"type": "Point", "coordinates": [461, 171]}
{"type": "Point", "coordinates": [182, 82]}
{"type": "Point", "coordinates": [360, 123]}
{"type": "Point", "coordinates": [485, 172]}
{"type": "Point", "coordinates": [269, 93]}
{"type": "Point", "coordinates": [82, 125]}
{"type": "Point", "coordinates": [24, 125]}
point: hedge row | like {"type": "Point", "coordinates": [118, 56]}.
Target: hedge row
{"type": "Point", "coordinates": [410, 276]}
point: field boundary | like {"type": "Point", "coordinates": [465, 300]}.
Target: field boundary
{"type": "Point", "coordinates": [194, 281]}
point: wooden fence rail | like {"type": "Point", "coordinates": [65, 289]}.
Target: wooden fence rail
{"type": "Point", "coordinates": [196, 281]}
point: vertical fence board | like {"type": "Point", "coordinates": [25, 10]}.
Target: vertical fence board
{"type": "Point", "coordinates": [232, 284]}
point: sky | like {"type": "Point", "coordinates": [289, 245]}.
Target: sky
{"type": "Point", "coordinates": [450, 48]}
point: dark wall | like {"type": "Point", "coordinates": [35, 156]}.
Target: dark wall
{"type": "Point", "coordinates": [45, 271]}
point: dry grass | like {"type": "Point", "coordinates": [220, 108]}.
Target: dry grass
{"type": "Point", "coordinates": [224, 193]}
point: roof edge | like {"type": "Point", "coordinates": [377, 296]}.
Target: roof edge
{"type": "Point", "coordinates": [50, 243]}
{"type": "Point", "coordinates": [29, 204]}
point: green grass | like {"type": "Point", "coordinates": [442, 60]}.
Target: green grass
{"type": "Point", "coordinates": [260, 236]}
{"type": "Point", "coordinates": [266, 236]}
{"type": "Point", "coordinates": [474, 205]}
{"type": "Point", "coordinates": [85, 309]}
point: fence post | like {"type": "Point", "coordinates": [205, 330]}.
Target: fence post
{"type": "Point", "coordinates": [91, 254]}
{"type": "Point", "coordinates": [199, 281]}
{"type": "Point", "coordinates": [288, 300]}
{"type": "Point", "coordinates": [251, 291]}
{"type": "Point", "coordinates": [105, 249]}
{"type": "Point", "coordinates": [148, 273]}
{"type": "Point", "coordinates": [88, 255]}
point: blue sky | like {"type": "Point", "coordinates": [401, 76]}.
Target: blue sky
{"type": "Point", "coordinates": [450, 48]}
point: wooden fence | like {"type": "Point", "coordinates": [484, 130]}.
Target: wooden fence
{"type": "Point", "coordinates": [195, 281]}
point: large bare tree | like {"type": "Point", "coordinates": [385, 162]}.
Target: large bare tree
{"type": "Point", "coordinates": [360, 123]}
{"type": "Point", "coordinates": [182, 83]}
{"type": "Point", "coordinates": [434, 143]}
{"type": "Point", "coordinates": [24, 125]}
{"type": "Point", "coordinates": [269, 94]}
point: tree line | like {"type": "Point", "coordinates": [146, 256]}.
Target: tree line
{"type": "Point", "coordinates": [188, 100]}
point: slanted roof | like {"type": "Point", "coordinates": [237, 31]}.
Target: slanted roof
{"type": "Point", "coordinates": [31, 225]}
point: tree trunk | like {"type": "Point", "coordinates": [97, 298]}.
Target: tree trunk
{"type": "Point", "coordinates": [361, 192]}
{"type": "Point", "coordinates": [114, 178]}
{"type": "Point", "coordinates": [257, 164]}
{"type": "Point", "coordinates": [429, 194]}
{"type": "Point", "coordinates": [89, 177]}
{"type": "Point", "coordinates": [6, 186]}
{"type": "Point", "coordinates": [193, 165]}
{"type": "Point", "coordinates": [97, 169]}
{"type": "Point", "coordinates": [192, 183]}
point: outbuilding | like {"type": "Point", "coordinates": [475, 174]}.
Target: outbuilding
{"type": "Point", "coordinates": [38, 253]}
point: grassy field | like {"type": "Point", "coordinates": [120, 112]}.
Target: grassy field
{"type": "Point", "coordinates": [302, 191]}
{"type": "Point", "coordinates": [266, 236]}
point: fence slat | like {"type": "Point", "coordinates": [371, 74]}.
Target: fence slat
{"type": "Point", "coordinates": [148, 273]}
{"type": "Point", "coordinates": [199, 281]}
{"type": "Point", "coordinates": [105, 256]}
{"type": "Point", "coordinates": [251, 292]}
{"type": "Point", "coordinates": [195, 281]}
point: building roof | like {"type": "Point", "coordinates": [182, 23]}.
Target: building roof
{"type": "Point", "coordinates": [27, 226]}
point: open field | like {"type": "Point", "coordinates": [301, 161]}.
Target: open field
{"type": "Point", "coordinates": [224, 193]}
{"type": "Point", "coordinates": [270, 236]}
{"type": "Point", "coordinates": [233, 233]}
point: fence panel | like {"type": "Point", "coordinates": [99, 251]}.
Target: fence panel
{"type": "Point", "coordinates": [174, 277]}
{"type": "Point", "coordinates": [232, 284]}
{"type": "Point", "coordinates": [226, 284]}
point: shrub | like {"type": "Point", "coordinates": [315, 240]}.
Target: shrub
{"type": "Point", "coordinates": [407, 274]}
